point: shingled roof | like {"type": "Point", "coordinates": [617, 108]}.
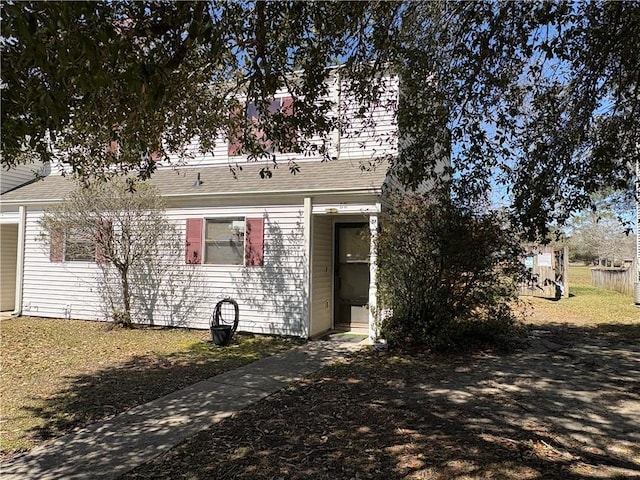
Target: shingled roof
{"type": "Point", "coordinates": [339, 175]}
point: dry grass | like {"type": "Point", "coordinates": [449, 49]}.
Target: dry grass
{"type": "Point", "coordinates": [58, 375]}
{"type": "Point", "coordinates": [565, 409]}
{"type": "Point", "coordinates": [587, 306]}
{"type": "Point", "coordinates": [565, 414]}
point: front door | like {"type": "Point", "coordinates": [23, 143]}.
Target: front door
{"type": "Point", "coordinates": [352, 276]}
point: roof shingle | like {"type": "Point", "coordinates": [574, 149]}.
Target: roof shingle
{"type": "Point", "coordinates": [218, 180]}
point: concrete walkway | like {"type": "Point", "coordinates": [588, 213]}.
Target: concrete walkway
{"type": "Point", "coordinates": [109, 449]}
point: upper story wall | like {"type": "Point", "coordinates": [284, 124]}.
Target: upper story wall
{"type": "Point", "coordinates": [368, 133]}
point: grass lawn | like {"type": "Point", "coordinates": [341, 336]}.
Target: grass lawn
{"type": "Point", "coordinates": [588, 306]}
{"type": "Point", "coordinates": [61, 374]}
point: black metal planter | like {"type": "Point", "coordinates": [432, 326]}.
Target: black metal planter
{"type": "Point", "coordinates": [224, 321]}
{"type": "Point", "coordinates": [221, 335]}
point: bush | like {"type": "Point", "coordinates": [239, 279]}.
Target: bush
{"type": "Point", "coordinates": [448, 274]}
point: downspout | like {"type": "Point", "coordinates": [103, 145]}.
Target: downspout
{"type": "Point", "coordinates": [17, 308]}
{"type": "Point", "coordinates": [340, 125]}
{"type": "Point", "coordinates": [636, 285]}
{"type": "Point", "coordinates": [374, 315]}
{"type": "Point", "coordinates": [306, 326]}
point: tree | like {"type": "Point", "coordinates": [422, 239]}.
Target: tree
{"type": "Point", "coordinates": [447, 273]}
{"type": "Point", "coordinates": [542, 98]}
{"type": "Point", "coordinates": [598, 237]}
{"type": "Point", "coordinates": [137, 248]}
{"type": "Point", "coordinates": [152, 76]}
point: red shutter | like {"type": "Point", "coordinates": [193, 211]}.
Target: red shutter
{"type": "Point", "coordinates": [113, 148]}
{"type": "Point", "coordinates": [287, 111]}
{"type": "Point", "coordinates": [287, 106]}
{"type": "Point", "coordinates": [234, 148]}
{"type": "Point", "coordinates": [104, 234]}
{"type": "Point", "coordinates": [193, 249]}
{"type": "Point", "coordinates": [56, 246]}
{"type": "Point", "coordinates": [154, 155]}
{"type": "Point", "coordinates": [254, 242]}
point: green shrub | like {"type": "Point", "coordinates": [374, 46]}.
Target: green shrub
{"type": "Point", "coordinates": [448, 274]}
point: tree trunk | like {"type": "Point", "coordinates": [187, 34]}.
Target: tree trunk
{"type": "Point", "coordinates": [126, 299]}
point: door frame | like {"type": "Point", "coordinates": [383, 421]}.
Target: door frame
{"type": "Point", "coordinates": [336, 265]}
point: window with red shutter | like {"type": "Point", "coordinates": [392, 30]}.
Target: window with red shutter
{"type": "Point", "coordinates": [193, 251]}
{"type": "Point", "coordinates": [78, 245]}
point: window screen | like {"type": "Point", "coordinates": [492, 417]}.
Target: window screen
{"type": "Point", "coordinates": [224, 241]}
{"type": "Point", "coordinates": [78, 247]}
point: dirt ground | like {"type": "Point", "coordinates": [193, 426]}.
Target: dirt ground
{"type": "Point", "coordinates": [566, 407]}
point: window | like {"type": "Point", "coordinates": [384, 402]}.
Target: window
{"type": "Point", "coordinates": [78, 248]}
{"type": "Point", "coordinates": [224, 241]}
{"type": "Point", "coordinates": [79, 245]}
{"type": "Point", "coordinates": [283, 105]}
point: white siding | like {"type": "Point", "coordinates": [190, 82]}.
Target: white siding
{"type": "Point", "coordinates": [21, 174]}
{"type": "Point", "coordinates": [8, 256]}
{"type": "Point", "coordinates": [271, 297]}
{"type": "Point", "coordinates": [57, 290]}
{"type": "Point", "coordinates": [373, 135]}
{"type": "Point", "coordinates": [322, 275]}
{"type": "Point", "coordinates": [365, 139]}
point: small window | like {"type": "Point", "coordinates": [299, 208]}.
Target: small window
{"type": "Point", "coordinates": [78, 247]}
{"type": "Point", "coordinates": [224, 241]}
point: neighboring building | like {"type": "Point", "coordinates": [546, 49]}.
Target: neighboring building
{"type": "Point", "coordinates": [10, 179]}
{"type": "Point", "coordinates": [304, 256]}
{"type": "Point", "coordinates": [22, 174]}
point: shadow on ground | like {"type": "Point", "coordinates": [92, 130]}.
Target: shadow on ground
{"type": "Point", "coordinates": [93, 397]}
{"type": "Point", "coordinates": [568, 407]}
{"type": "Point", "coordinates": [110, 448]}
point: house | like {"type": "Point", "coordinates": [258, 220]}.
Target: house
{"type": "Point", "coordinates": [312, 264]}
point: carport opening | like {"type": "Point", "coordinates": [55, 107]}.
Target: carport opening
{"type": "Point", "coordinates": [8, 263]}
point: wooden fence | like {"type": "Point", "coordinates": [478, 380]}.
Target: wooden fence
{"type": "Point", "coordinates": [619, 279]}
{"type": "Point", "coordinates": [547, 272]}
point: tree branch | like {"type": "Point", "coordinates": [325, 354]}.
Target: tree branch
{"type": "Point", "coordinates": [199, 18]}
